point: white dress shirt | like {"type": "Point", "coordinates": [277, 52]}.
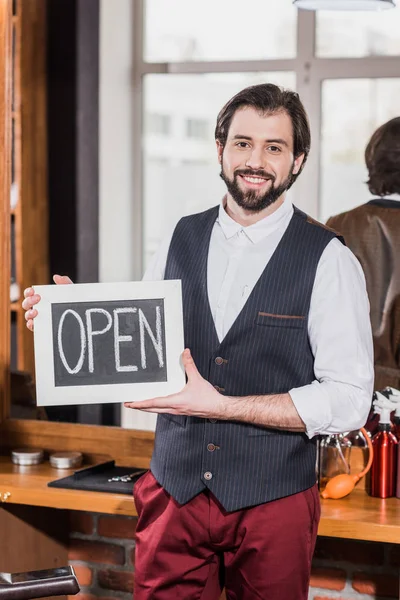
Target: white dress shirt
{"type": "Point", "coordinates": [338, 326]}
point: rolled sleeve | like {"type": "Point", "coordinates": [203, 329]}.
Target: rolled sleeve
{"type": "Point", "coordinates": [314, 409]}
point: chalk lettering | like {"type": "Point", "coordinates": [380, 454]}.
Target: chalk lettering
{"type": "Point", "coordinates": [118, 339]}
{"type": "Point", "coordinates": [79, 364]}
{"type": "Point", "coordinates": [91, 333]}
{"type": "Point", "coordinates": [101, 343]}
{"type": "Point", "coordinates": [158, 345]}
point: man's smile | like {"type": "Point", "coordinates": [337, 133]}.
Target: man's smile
{"type": "Point", "coordinates": [254, 182]}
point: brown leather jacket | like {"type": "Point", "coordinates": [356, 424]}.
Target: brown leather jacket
{"type": "Point", "coordinates": [372, 232]}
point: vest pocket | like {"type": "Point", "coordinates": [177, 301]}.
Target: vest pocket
{"type": "Point", "coordinates": [257, 430]}
{"type": "Point", "coordinates": [276, 320]}
{"type": "Point", "coordinates": [178, 419]}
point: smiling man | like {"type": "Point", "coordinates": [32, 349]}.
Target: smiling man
{"type": "Point", "coordinates": [279, 349]}
{"type": "Point", "coordinates": [252, 182]}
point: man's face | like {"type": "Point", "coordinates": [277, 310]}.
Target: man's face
{"type": "Point", "coordinates": [257, 162]}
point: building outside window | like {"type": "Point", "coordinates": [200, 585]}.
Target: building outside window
{"type": "Point", "coordinates": [198, 129]}
{"type": "Point", "coordinates": [157, 124]}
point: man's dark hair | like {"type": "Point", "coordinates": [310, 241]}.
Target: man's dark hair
{"type": "Point", "coordinates": [268, 98]}
{"type": "Point", "coordinates": [382, 157]}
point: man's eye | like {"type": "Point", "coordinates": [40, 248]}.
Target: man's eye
{"type": "Point", "coordinates": [275, 149]}
{"type": "Point", "coordinates": [242, 145]}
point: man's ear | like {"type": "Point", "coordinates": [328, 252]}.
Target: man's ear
{"type": "Point", "coordinates": [297, 164]}
{"type": "Point", "coordinates": [220, 150]}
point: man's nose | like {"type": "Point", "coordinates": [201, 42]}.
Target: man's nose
{"type": "Point", "coordinates": [255, 159]}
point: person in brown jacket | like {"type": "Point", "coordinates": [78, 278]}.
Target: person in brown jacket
{"type": "Point", "coordinates": [372, 232]}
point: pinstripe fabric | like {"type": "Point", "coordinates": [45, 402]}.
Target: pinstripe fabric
{"type": "Point", "coordinates": [263, 354]}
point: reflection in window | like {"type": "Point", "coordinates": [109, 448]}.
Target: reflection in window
{"type": "Point", "coordinates": [181, 172]}
{"type": "Point", "coordinates": [356, 34]}
{"type": "Point", "coordinates": [351, 111]}
{"type": "Point", "coordinates": [179, 30]}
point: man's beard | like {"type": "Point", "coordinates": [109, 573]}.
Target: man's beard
{"type": "Point", "coordinates": [252, 200]}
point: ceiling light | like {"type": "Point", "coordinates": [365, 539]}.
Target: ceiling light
{"type": "Point", "coordinates": [344, 4]}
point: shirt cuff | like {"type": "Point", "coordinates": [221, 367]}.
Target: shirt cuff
{"type": "Point", "coordinates": [313, 406]}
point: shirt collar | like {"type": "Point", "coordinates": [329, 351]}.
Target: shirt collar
{"type": "Point", "coordinates": [389, 197]}
{"type": "Point", "coordinates": [259, 230]}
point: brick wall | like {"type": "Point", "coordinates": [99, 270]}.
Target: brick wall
{"type": "Point", "coordinates": [102, 553]}
{"type": "Point", "coordinates": [349, 569]}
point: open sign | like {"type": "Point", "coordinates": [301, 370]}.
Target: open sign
{"type": "Point", "coordinates": [108, 342]}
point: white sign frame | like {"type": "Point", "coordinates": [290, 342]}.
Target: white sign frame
{"type": "Point", "coordinates": [48, 394]}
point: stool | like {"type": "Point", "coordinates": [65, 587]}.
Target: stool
{"type": "Point", "coordinates": [38, 584]}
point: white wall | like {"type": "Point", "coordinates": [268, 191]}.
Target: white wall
{"type": "Point", "coordinates": [116, 157]}
{"type": "Point", "coordinates": [115, 132]}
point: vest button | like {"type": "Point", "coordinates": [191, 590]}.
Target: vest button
{"type": "Point", "coordinates": [211, 447]}
{"type": "Point", "coordinates": [207, 475]}
{"type": "Point", "coordinates": [219, 360]}
{"type": "Point", "coordinates": [212, 420]}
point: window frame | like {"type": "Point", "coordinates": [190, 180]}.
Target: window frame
{"type": "Point", "coordinates": [310, 71]}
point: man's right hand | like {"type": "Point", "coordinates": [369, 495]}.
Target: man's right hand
{"type": "Point", "coordinates": [31, 299]}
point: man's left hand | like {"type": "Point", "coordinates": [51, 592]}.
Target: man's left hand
{"type": "Point", "coordinates": [197, 399]}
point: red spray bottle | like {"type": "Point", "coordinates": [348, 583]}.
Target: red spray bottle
{"type": "Point", "coordinates": [385, 445]}
{"type": "Point", "coordinates": [394, 396]}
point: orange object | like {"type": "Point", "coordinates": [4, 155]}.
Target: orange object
{"type": "Point", "coordinates": [342, 485]}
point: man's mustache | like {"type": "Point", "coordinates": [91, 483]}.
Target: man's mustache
{"type": "Point", "coordinates": [258, 173]}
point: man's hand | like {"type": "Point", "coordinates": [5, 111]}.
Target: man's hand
{"type": "Point", "coordinates": [31, 299]}
{"type": "Point", "coordinates": [197, 399]}
{"type": "Point", "coordinates": [200, 399]}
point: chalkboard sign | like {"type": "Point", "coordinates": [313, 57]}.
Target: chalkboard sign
{"type": "Point", "coordinates": [103, 342]}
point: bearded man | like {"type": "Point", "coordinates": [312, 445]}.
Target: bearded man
{"type": "Point", "coordinates": [278, 350]}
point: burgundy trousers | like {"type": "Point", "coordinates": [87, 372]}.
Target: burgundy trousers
{"type": "Point", "coordinates": [191, 551]}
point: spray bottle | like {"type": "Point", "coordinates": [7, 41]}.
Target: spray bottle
{"type": "Point", "coordinates": [394, 396]}
{"type": "Point", "coordinates": [384, 443]}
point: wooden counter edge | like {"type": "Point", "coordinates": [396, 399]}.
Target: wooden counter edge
{"type": "Point", "coordinates": [347, 523]}
{"type": "Point", "coordinates": [356, 530]}
{"type": "Point", "coordinates": [98, 502]}
{"type": "Point", "coordinates": [123, 505]}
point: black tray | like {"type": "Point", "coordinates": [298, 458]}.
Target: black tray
{"type": "Point", "coordinates": [96, 478]}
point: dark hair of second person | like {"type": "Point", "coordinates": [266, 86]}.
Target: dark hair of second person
{"type": "Point", "coordinates": [382, 157]}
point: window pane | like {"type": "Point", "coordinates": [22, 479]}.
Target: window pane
{"type": "Point", "coordinates": [351, 111]}
{"type": "Point", "coordinates": [181, 172]}
{"type": "Point", "coordinates": [355, 34]}
{"type": "Point", "coordinates": [180, 30]}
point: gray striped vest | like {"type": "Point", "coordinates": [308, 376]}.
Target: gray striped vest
{"type": "Point", "coordinates": [266, 351]}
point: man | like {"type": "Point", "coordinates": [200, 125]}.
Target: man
{"type": "Point", "coordinates": [278, 350]}
{"type": "Point", "coordinates": [372, 232]}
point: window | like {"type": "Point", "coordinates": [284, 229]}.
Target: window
{"type": "Point", "coordinates": [181, 31]}
{"type": "Point", "coordinates": [351, 111]}
{"type": "Point", "coordinates": [356, 34]}
{"type": "Point", "coordinates": [344, 65]}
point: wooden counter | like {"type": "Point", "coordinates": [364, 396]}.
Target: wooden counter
{"type": "Point", "coordinates": [356, 517]}
{"type": "Point", "coordinates": [360, 517]}
{"type": "Point", "coordinates": [28, 485]}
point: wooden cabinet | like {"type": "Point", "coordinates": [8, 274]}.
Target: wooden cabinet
{"type": "Point", "coordinates": [5, 176]}
{"type": "Point", "coordinates": [28, 197]}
